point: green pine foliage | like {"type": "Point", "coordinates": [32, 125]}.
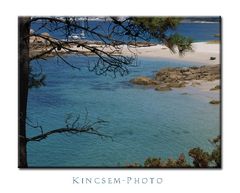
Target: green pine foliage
{"type": "Point", "coordinates": [157, 28]}
{"type": "Point", "coordinates": [200, 159]}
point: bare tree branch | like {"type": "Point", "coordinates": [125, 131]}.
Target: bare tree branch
{"type": "Point", "coordinates": [72, 127]}
{"type": "Point", "coordinates": [88, 130]}
{"type": "Point", "coordinates": [109, 61]}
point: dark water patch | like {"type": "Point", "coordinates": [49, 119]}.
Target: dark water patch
{"type": "Point", "coordinates": [124, 84]}
{"type": "Point", "coordinates": [102, 88]}
{"type": "Point", "coordinates": [123, 133]}
{"type": "Point", "coordinates": [48, 99]}
{"type": "Point", "coordinates": [185, 93]}
{"type": "Point", "coordinates": [156, 136]}
{"type": "Point", "coordinates": [185, 132]}
{"type": "Point", "coordinates": [175, 132]}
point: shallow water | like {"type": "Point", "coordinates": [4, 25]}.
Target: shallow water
{"type": "Point", "coordinates": [143, 122]}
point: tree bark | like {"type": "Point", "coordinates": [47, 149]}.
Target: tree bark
{"type": "Point", "coordinates": [23, 70]}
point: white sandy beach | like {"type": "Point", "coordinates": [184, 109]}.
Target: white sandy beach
{"type": "Point", "coordinates": [202, 51]}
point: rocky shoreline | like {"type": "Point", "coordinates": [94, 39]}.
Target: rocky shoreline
{"type": "Point", "coordinates": [168, 78]}
{"type": "Point", "coordinates": [42, 44]}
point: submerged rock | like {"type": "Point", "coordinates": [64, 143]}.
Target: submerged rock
{"type": "Point", "coordinates": [163, 88]}
{"type": "Point", "coordinates": [215, 88]}
{"type": "Point", "coordinates": [195, 84]}
{"type": "Point", "coordinates": [214, 102]}
{"type": "Point", "coordinates": [176, 84]}
{"type": "Point", "coordinates": [142, 80]}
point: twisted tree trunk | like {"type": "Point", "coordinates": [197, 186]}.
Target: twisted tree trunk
{"type": "Point", "coordinates": [23, 70]}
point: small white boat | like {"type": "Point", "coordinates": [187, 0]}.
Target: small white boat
{"type": "Point", "coordinates": [79, 36]}
{"type": "Point", "coordinates": [74, 37]}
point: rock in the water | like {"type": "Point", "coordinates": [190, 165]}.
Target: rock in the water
{"type": "Point", "coordinates": [214, 102]}
{"type": "Point", "coordinates": [142, 80]}
{"type": "Point", "coordinates": [188, 73]}
{"type": "Point", "coordinates": [195, 84]}
{"type": "Point", "coordinates": [162, 88]}
{"type": "Point", "coordinates": [168, 78]}
{"type": "Point", "coordinates": [176, 84]}
{"type": "Point", "coordinates": [215, 88]}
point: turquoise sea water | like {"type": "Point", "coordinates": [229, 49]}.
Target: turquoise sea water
{"type": "Point", "coordinates": [143, 122]}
